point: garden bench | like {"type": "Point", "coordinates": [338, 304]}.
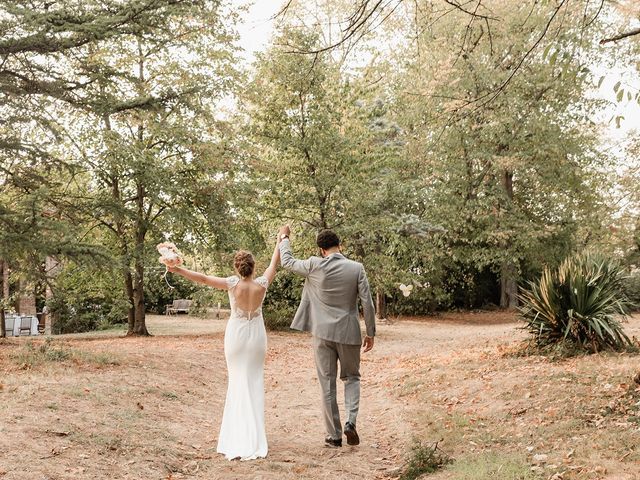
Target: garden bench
{"type": "Point", "coordinates": [178, 306]}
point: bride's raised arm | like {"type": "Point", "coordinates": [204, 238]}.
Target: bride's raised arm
{"type": "Point", "coordinates": [215, 282]}
{"type": "Point", "coordinates": [270, 272]}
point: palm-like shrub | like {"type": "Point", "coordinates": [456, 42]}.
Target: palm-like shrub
{"type": "Point", "coordinates": [582, 302]}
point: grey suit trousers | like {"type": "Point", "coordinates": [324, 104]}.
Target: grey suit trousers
{"type": "Point", "coordinates": [327, 355]}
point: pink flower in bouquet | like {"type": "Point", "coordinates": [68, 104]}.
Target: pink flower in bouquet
{"type": "Point", "coordinates": [169, 254]}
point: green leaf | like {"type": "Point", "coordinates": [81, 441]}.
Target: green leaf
{"type": "Point", "coordinates": [578, 302]}
{"type": "Point", "coordinates": [619, 118]}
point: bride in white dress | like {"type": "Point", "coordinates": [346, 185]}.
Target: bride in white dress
{"type": "Point", "coordinates": [242, 433]}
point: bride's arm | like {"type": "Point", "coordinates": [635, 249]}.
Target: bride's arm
{"type": "Point", "coordinates": [215, 282]}
{"type": "Point", "coordinates": [270, 272]}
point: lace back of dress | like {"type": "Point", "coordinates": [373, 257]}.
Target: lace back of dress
{"type": "Point", "coordinates": [238, 312]}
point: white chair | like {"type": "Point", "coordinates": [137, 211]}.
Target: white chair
{"type": "Point", "coordinates": [25, 325]}
{"type": "Point", "coordinates": [9, 322]}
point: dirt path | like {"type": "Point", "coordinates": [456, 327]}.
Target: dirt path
{"type": "Point", "coordinates": [155, 413]}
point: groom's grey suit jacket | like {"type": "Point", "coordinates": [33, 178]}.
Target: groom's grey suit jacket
{"type": "Point", "coordinates": [329, 305]}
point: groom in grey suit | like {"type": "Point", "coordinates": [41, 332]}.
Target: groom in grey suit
{"type": "Point", "coordinates": [329, 310]}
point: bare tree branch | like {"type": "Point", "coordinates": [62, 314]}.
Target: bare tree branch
{"type": "Point", "coordinates": [283, 10]}
{"type": "Point", "coordinates": [496, 92]}
{"type": "Point", "coordinates": [597, 14]}
{"type": "Point", "coordinates": [369, 12]}
{"type": "Point", "coordinates": [467, 33]}
{"type": "Point", "coordinates": [630, 33]}
{"type": "Point", "coordinates": [533, 7]}
{"type": "Point", "coordinates": [351, 29]}
{"type": "Point", "coordinates": [366, 13]}
{"type": "Point", "coordinates": [473, 14]}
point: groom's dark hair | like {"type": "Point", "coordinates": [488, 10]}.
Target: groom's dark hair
{"type": "Point", "coordinates": [327, 239]}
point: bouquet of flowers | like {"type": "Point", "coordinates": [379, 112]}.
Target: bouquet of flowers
{"type": "Point", "coordinates": [170, 256]}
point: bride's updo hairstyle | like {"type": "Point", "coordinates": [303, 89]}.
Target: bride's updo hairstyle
{"type": "Point", "coordinates": [244, 263]}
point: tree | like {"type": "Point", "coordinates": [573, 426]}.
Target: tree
{"type": "Point", "coordinates": [39, 74]}
{"type": "Point", "coordinates": [158, 167]}
{"type": "Point", "coordinates": [364, 17]}
{"type": "Point", "coordinates": [38, 40]}
{"type": "Point", "coordinates": [299, 117]}
{"type": "Point", "coordinates": [518, 177]}
{"type": "Point", "coordinates": [326, 157]}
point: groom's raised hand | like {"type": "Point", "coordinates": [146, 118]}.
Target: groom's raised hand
{"type": "Point", "coordinates": [367, 344]}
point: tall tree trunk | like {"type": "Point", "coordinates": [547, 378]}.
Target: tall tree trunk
{"type": "Point", "coordinates": [52, 269]}
{"type": "Point", "coordinates": [381, 304]}
{"type": "Point", "coordinates": [636, 237]}
{"type": "Point", "coordinates": [120, 230]}
{"type": "Point", "coordinates": [508, 270]}
{"type": "Point", "coordinates": [139, 320]}
{"type": "Point", "coordinates": [5, 281]}
{"type": "Point", "coordinates": [508, 286]}
{"type": "Point", "coordinates": [135, 285]}
{"type": "Point", "coordinates": [128, 290]}
{"type": "Point", "coordinates": [139, 327]}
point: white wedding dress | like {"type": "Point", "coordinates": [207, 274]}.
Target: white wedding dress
{"type": "Point", "coordinates": [242, 433]}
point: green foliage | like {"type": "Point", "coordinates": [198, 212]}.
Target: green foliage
{"type": "Point", "coordinates": [84, 299]}
{"type": "Point", "coordinates": [205, 298]}
{"type": "Point", "coordinates": [514, 177]}
{"type": "Point", "coordinates": [431, 172]}
{"type": "Point", "coordinates": [581, 302]}
{"type": "Point", "coordinates": [420, 189]}
{"type": "Point", "coordinates": [282, 301]}
{"type": "Point", "coordinates": [425, 458]}
{"type": "Point", "coordinates": [110, 141]}
{"type": "Point", "coordinates": [423, 300]}
{"type": "Point", "coordinates": [304, 119]}
{"type": "Point", "coordinates": [162, 169]}
{"type": "Point", "coordinates": [158, 294]}
{"type": "Point", "coordinates": [631, 287]}
{"type": "Point", "coordinates": [328, 156]}
{"type": "Point", "coordinates": [51, 63]}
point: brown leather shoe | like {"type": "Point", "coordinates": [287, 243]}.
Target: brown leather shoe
{"type": "Point", "coordinates": [351, 433]}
